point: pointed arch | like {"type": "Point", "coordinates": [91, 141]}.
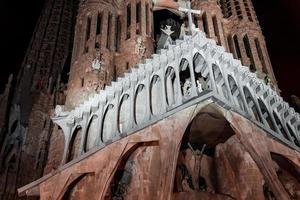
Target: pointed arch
{"type": "Point", "coordinates": [155, 95]}
{"type": "Point", "coordinates": [91, 134]}
{"type": "Point", "coordinates": [171, 86]}
{"type": "Point", "coordinates": [124, 114]}
{"type": "Point", "coordinates": [74, 145]}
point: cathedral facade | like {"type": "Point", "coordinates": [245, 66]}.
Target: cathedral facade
{"type": "Point", "coordinates": [147, 99]}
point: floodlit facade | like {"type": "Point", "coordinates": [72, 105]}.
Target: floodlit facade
{"type": "Point", "coordinates": [142, 99]}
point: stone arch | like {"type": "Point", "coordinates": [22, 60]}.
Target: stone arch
{"type": "Point", "coordinates": [200, 65]}
{"type": "Point", "coordinates": [171, 86]}
{"type": "Point", "coordinates": [74, 145]}
{"type": "Point", "coordinates": [156, 93]}
{"type": "Point", "coordinates": [251, 104]}
{"type": "Point", "coordinates": [220, 82]}
{"type": "Point", "coordinates": [293, 134]}
{"type": "Point", "coordinates": [71, 190]}
{"type": "Point", "coordinates": [124, 113]}
{"type": "Point", "coordinates": [196, 171]}
{"type": "Point", "coordinates": [266, 115]}
{"type": "Point", "coordinates": [236, 94]}
{"type": "Point", "coordinates": [107, 124]}
{"type": "Point", "coordinates": [280, 126]}
{"type": "Point", "coordinates": [91, 133]}
{"type": "Point", "coordinates": [139, 104]}
{"type": "Point", "coordinates": [288, 174]}
{"type": "Point", "coordinates": [185, 78]}
{"type": "Point", "coordinates": [123, 174]}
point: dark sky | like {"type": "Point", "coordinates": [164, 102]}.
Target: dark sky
{"type": "Point", "coordinates": [279, 19]}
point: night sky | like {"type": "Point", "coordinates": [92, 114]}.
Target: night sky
{"type": "Point", "coordinates": [279, 19]}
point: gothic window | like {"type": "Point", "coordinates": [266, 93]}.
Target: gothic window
{"type": "Point", "coordinates": [147, 20]}
{"type": "Point", "coordinates": [87, 34]}
{"type": "Point", "coordinates": [249, 52]}
{"type": "Point", "coordinates": [205, 23]}
{"type": "Point", "coordinates": [237, 47]}
{"type": "Point", "coordinates": [231, 46]}
{"type": "Point", "coordinates": [128, 21]}
{"type": "Point", "coordinates": [138, 18]}
{"type": "Point", "coordinates": [118, 34]}
{"type": "Point", "coordinates": [99, 24]}
{"type": "Point", "coordinates": [88, 29]}
{"type": "Point", "coordinates": [260, 55]}
{"type": "Point", "coordinates": [109, 24]}
{"type": "Point", "coordinates": [216, 29]}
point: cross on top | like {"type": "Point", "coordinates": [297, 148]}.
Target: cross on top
{"type": "Point", "coordinates": [189, 12]}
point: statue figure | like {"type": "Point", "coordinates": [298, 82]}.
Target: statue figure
{"type": "Point", "coordinates": [187, 88]}
{"type": "Point", "coordinates": [58, 112]}
{"type": "Point", "coordinates": [97, 62]}
{"type": "Point", "coordinates": [165, 39]}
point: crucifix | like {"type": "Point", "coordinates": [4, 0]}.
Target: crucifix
{"type": "Point", "coordinates": [189, 12]}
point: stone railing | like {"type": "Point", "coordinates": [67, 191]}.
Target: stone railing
{"type": "Point", "coordinates": [185, 73]}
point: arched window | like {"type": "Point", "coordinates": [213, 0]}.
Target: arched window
{"type": "Point", "coordinates": [124, 113]}
{"type": "Point", "coordinates": [140, 106]}
{"type": "Point", "coordinates": [231, 46]}
{"type": "Point", "coordinates": [235, 92]}
{"type": "Point", "coordinates": [216, 29]}
{"type": "Point", "coordinates": [199, 65]}
{"type": "Point", "coordinates": [74, 146]}
{"type": "Point", "coordinates": [99, 24]}
{"type": "Point", "coordinates": [237, 47]}
{"type": "Point", "coordinates": [109, 28]}
{"type": "Point", "coordinates": [118, 33]}
{"type": "Point", "coordinates": [205, 23]}
{"type": "Point", "coordinates": [138, 18]}
{"type": "Point", "coordinates": [220, 82]}
{"type": "Point", "coordinates": [92, 134]}
{"type": "Point", "coordinates": [251, 105]}
{"type": "Point", "coordinates": [155, 95]}
{"type": "Point", "coordinates": [261, 56]}
{"type": "Point", "coordinates": [266, 114]}
{"type": "Point", "coordinates": [185, 78]}
{"type": "Point", "coordinates": [249, 52]}
{"type": "Point", "coordinates": [170, 85]}
{"type": "Point", "coordinates": [107, 124]}
{"type": "Point", "coordinates": [128, 21]}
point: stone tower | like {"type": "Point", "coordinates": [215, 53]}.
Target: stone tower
{"type": "Point", "coordinates": [110, 38]}
{"type": "Point", "coordinates": [37, 89]}
{"type": "Point", "coordinates": [245, 38]}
